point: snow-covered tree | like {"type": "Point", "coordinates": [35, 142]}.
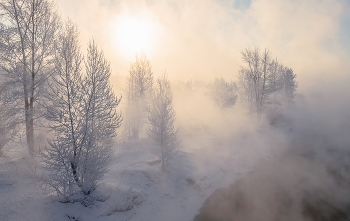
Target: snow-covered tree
{"type": "Point", "coordinates": [9, 120]}
{"type": "Point", "coordinates": [101, 119]}
{"type": "Point", "coordinates": [64, 110]}
{"type": "Point", "coordinates": [265, 83]}
{"type": "Point", "coordinates": [253, 77]}
{"type": "Point", "coordinates": [161, 118]}
{"type": "Point", "coordinates": [274, 84]}
{"type": "Point", "coordinates": [289, 85]}
{"type": "Point", "coordinates": [223, 93]}
{"type": "Point", "coordinates": [28, 33]}
{"type": "Point", "coordinates": [281, 85]}
{"type": "Point", "coordinates": [138, 92]}
{"type": "Point", "coordinates": [82, 114]}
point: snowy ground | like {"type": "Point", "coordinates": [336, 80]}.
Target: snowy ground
{"type": "Point", "coordinates": [133, 189]}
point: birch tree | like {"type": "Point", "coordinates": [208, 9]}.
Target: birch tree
{"type": "Point", "coordinates": [275, 84]}
{"type": "Point", "coordinates": [255, 74]}
{"type": "Point", "coordinates": [223, 93]}
{"type": "Point", "coordinates": [9, 120]}
{"type": "Point", "coordinates": [138, 92]}
{"type": "Point", "coordinates": [265, 83]}
{"type": "Point", "coordinates": [63, 111]}
{"type": "Point", "coordinates": [101, 119]}
{"type": "Point", "coordinates": [82, 115]}
{"type": "Point", "coordinates": [161, 118]}
{"type": "Point", "coordinates": [29, 31]}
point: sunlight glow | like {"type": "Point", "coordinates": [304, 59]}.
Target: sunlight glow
{"type": "Point", "coordinates": [133, 35]}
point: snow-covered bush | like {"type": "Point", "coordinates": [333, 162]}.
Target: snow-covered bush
{"type": "Point", "coordinates": [123, 200]}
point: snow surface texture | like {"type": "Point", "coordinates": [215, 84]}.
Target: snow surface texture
{"type": "Point", "coordinates": [134, 188]}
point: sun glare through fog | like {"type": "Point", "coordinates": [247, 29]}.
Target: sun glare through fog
{"type": "Point", "coordinates": [134, 34]}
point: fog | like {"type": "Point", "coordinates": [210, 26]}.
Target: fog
{"type": "Point", "coordinates": [196, 41]}
{"type": "Point", "coordinates": [203, 39]}
{"type": "Point", "coordinates": [290, 164]}
{"type": "Point", "coordinates": [307, 177]}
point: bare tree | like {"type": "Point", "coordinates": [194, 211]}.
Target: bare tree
{"type": "Point", "coordinates": [161, 118]}
{"type": "Point", "coordinates": [9, 120]}
{"type": "Point", "coordinates": [101, 119]}
{"type": "Point", "coordinates": [82, 114]}
{"type": "Point", "coordinates": [63, 110]}
{"type": "Point", "coordinates": [138, 91]}
{"type": "Point", "coordinates": [264, 83]}
{"type": "Point", "coordinates": [223, 93]}
{"type": "Point", "coordinates": [27, 47]}
{"type": "Point", "coordinates": [254, 76]}
{"type": "Point", "coordinates": [281, 85]}
{"type": "Point", "coordinates": [274, 84]}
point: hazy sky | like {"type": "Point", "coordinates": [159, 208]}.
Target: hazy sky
{"type": "Point", "coordinates": [203, 38]}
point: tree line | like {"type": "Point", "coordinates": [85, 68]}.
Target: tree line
{"type": "Point", "coordinates": [264, 84]}
{"type": "Point", "coordinates": [46, 81]}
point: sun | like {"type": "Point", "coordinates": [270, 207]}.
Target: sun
{"type": "Point", "coordinates": [134, 35]}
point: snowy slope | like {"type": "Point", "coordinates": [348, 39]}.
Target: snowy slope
{"type": "Point", "coordinates": [133, 189]}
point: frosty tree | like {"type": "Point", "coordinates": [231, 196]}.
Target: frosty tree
{"type": "Point", "coordinates": [28, 33]}
{"type": "Point", "coordinates": [274, 84]}
{"type": "Point", "coordinates": [223, 93]}
{"type": "Point", "coordinates": [138, 91]}
{"type": "Point", "coordinates": [289, 85]}
{"type": "Point", "coordinates": [101, 119]}
{"type": "Point", "coordinates": [253, 77]}
{"type": "Point", "coordinates": [82, 115]}
{"type": "Point", "coordinates": [264, 82]}
{"type": "Point", "coordinates": [281, 84]}
{"type": "Point", "coordinates": [9, 119]}
{"type": "Point", "coordinates": [161, 118]}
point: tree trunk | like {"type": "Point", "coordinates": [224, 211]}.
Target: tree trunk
{"type": "Point", "coordinates": [29, 127]}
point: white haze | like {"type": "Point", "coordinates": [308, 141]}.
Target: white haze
{"type": "Point", "coordinates": [203, 39]}
{"type": "Point", "coordinates": [199, 40]}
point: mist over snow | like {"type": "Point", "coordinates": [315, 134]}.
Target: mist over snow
{"type": "Point", "coordinates": [175, 110]}
{"type": "Point", "coordinates": [307, 177]}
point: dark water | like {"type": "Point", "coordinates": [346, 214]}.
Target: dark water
{"type": "Point", "coordinates": [307, 185]}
